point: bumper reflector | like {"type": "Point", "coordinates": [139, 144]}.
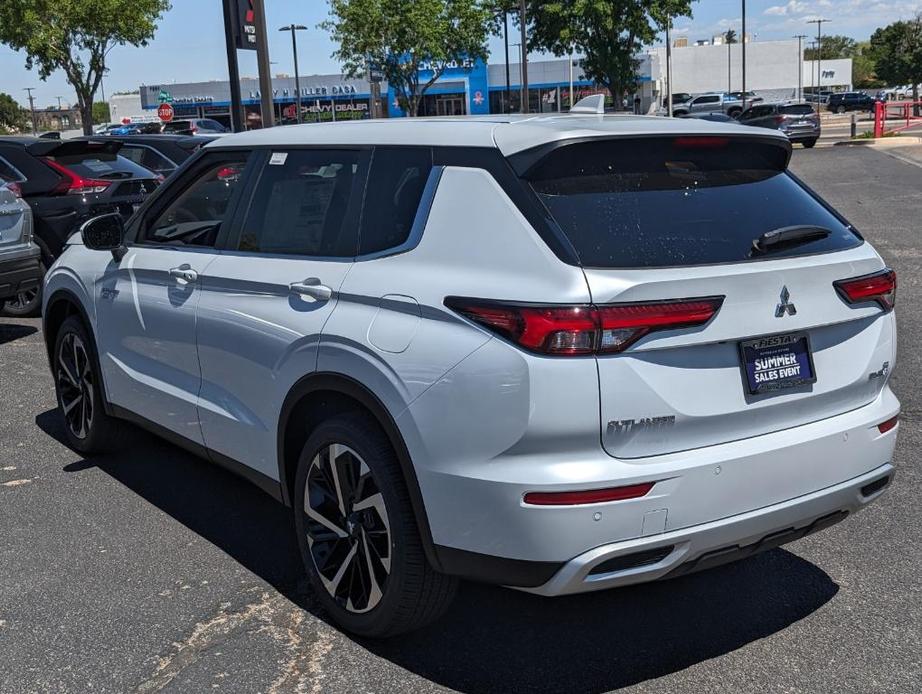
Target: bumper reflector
{"type": "Point", "coordinates": [591, 496]}
{"type": "Point", "coordinates": [884, 427]}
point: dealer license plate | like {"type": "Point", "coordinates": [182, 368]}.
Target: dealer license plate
{"type": "Point", "coordinates": [777, 362]}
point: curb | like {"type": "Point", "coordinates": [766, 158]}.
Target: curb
{"type": "Point", "coordinates": [884, 142]}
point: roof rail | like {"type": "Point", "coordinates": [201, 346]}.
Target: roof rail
{"type": "Point", "coordinates": [590, 104]}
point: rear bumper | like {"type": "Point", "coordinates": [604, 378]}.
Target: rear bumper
{"type": "Point", "coordinates": [711, 544]}
{"type": "Point", "coordinates": [20, 272]}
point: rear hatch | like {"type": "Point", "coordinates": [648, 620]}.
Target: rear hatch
{"type": "Point", "coordinates": [658, 221]}
{"type": "Point", "coordinates": [798, 118]}
{"type": "Point", "coordinates": [15, 219]}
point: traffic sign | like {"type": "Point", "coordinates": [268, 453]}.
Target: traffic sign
{"type": "Point", "coordinates": [165, 112]}
{"type": "Point", "coordinates": [165, 96]}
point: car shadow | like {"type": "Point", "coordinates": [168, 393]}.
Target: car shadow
{"type": "Point", "coordinates": [10, 332]}
{"type": "Point", "coordinates": [493, 639]}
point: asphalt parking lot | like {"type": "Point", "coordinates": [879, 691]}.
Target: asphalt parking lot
{"type": "Point", "coordinates": [153, 571]}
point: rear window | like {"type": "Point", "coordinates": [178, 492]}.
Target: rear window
{"type": "Point", "coordinates": [102, 165]}
{"type": "Point", "coordinates": [797, 109]}
{"type": "Point", "coordinates": [638, 203]}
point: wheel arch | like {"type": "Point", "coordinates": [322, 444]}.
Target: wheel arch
{"type": "Point", "coordinates": [318, 396]}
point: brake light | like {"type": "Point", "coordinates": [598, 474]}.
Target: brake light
{"type": "Point", "coordinates": [879, 287]}
{"type": "Point", "coordinates": [701, 142]}
{"type": "Point", "coordinates": [779, 120]}
{"type": "Point", "coordinates": [591, 496]}
{"type": "Point", "coordinates": [584, 329]}
{"type": "Point", "coordinates": [73, 183]}
{"type": "Point", "coordinates": [14, 188]}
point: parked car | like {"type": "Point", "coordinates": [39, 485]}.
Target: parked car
{"type": "Point", "coordinates": [194, 126]}
{"type": "Point", "coordinates": [162, 154]}
{"type": "Point", "coordinates": [821, 97]}
{"type": "Point", "coordinates": [751, 97]}
{"type": "Point", "coordinates": [850, 101]}
{"type": "Point", "coordinates": [66, 182]}
{"type": "Point", "coordinates": [444, 345]}
{"type": "Point", "coordinates": [148, 128]}
{"type": "Point", "coordinates": [710, 103]}
{"type": "Point", "coordinates": [796, 120]}
{"type": "Point", "coordinates": [678, 99]}
{"type": "Point", "coordinates": [19, 256]}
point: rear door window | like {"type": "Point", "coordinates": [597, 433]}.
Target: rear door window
{"type": "Point", "coordinates": [636, 203]}
{"type": "Point", "coordinates": [395, 188]}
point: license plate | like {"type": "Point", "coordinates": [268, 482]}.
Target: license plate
{"type": "Point", "coordinates": [777, 362]}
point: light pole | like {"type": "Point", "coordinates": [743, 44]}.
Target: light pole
{"type": "Point", "coordinates": [31, 106]}
{"type": "Point", "coordinates": [506, 44]}
{"type": "Point", "coordinates": [294, 50]}
{"type": "Point", "coordinates": [819, 50]}
{"type": "Point", "coordinates": [743, 39]}
{"type": "Point", "coordinates": [729, 63]}
{"type": "Point", "coordinates": [800, 65]}
{"type": "Point", "coordinates": [669, 66]}
{"type": "Point", "coordinates": [523, 21]}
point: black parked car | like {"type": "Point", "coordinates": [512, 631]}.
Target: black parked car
{"type": "Point", "coordinates": [65, 183]}
{"type": "Point", "coordinates": [850, 101]}
{"type": "Point", "coordinates": [161, 154]}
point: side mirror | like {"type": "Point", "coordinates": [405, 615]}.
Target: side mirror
{"type": "Point", "coordinates": [104, 233]}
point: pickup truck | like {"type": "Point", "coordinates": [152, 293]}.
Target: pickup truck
{"type": "Point", "coordinates": [710, 103]}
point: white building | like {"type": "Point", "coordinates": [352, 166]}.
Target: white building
{"type": "Point", "coordinates": [128, 106]}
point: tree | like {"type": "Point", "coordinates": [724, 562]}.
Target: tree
{"type": "Point", "coordinates": [832, 48]}
{"type": "Point", "coordinates": [897, 52]}
{"type": "Point", "coordinates": [730, 36]}
{"type": "Point", "coordinates": [407, 37]}
{"type": "Point", "coordinates": [13, 117]}
{"type": "Point", "coordinates": [609, 33]}
{"type": "Point", "coordinates": [864, 67]}
{"type": "Point", "coordinates": [75, 36]}
{"type": "Point", "coordinates": [101, 112]}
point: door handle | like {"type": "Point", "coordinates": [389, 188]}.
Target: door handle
{"type": "Point", "coordinates": [311, 287]}
{"type": "Point", "coordinates": [183, 274]}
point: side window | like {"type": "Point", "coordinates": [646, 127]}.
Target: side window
{"type": "Point", "coordinates": [8, 172]}
{"type": "Point", "coordinates": [707, 99]}
{"type": "Point", "coordinates": [304, 204]}
{"type": "Point", "coordinates": [395, 186]}
{"type": "Point", "coordinates": [148, 158]}
{"type": "Point", "coordinates": [194, 218]}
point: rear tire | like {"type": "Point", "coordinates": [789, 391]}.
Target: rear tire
{"type": "Point", "coordinates": [25, 304]}
{"type": "Point", "coordinates": [809, 144]}
{"type": "Point", "coordinates": [358, 536]}
{"type": "Point", "coordinates": [840, 109]}
{"type": "Point", "coordinates": [78, 386]}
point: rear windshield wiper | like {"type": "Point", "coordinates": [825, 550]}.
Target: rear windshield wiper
{"type": "Point", "coordinates": [788, 236]}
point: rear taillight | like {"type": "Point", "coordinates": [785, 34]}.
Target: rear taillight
{"type": "Point", "coordinates": [879, 287]}
{"type": "Point", "coordinates": [589, 496]}
{"type": "Point", "coordinates": [14, 188]}
{"type": "Point", "coordinates": [73, 183]}
{"type": "Point", "coordinates": [779, 120]}
{"type": "Point", "coordinates": [584, 329]}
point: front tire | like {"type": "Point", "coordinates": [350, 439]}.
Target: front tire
{"type": "Point", "coordinates": [840, 109]}
{"type": "Point", "coordinates": [357, 533]}
{"type": "Point", "coordinates": [809, 144]}
{"type": "Point", "coordinates": [78, 387]}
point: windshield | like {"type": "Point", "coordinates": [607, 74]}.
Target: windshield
{"type": "Point", "coordinates": [678, 201]}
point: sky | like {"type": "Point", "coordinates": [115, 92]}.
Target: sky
{"type": "Point", "coordinates": [189, 43]}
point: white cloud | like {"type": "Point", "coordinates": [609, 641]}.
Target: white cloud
{"type": "Point", "coordinates": [791, 8]}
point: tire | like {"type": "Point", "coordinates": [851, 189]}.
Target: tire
{"type": "Point", "coordinates": [809, 144]}
{"type": "Point", "coordinates": [840, 109]}
{"type": "Point", "coordinates": [734, 113]}
{"type": "Point", "coordinates": [26, 304]}
{"type": "Point", "coordinates": [78, 387]}
{"type": "Point", "coordinates": [405, 593]}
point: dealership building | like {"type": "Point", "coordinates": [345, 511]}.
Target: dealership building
{"type": "Point", "coordinates": [773, 69]}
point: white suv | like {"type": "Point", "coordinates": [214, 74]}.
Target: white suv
{"type": "Point", "coordinates": [560, 353]}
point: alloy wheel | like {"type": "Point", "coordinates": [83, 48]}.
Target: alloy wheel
{"type": "Point", "coordinates": [74, 377]}
{"type": "Point", "coordinates": [348, 531]}
{"type": "Point", "coordinates": [22, 302]}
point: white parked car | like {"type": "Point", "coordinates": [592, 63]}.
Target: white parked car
{"type": "Point", "coordinates": [560, 353]}
{"type": "Point", "coordinates": [19, 256]}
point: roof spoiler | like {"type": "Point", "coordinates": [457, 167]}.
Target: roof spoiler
{"type": "Point", "coordinates": [63, 148]}
{"type": "Point", "coordinates": [590, 104]}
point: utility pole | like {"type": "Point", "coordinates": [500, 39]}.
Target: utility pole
{"type": "Point", "coordinates": [294, 50]}
{"type": "Point", "coordinates": [800, 65]}
{"type": "Point", "coordinates": [571, 79]}
{"type": "Point", "coordinates": [267, 107]}
{"type": "Point", "coordinates": [743, 39]}
{"type": "Point", "coordinates": [669, 66]}
{"type": "Point", "coordinates": [59, 102]}
{"type": "Point", "coordinates": [819, 50]}
{"type": "Point", "coordinates": [523, 21]}
{"type": "Point", "coordinates": [31, 107]}
{"type": "Point", "coordinates": [729, 62]}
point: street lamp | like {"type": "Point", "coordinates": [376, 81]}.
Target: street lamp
{"type": "Point", "coordinates": [819, 50]}
{"type": "Point", "coordinates": [800, 65]}
{"type": "Point", "coordinates": [294, 49]}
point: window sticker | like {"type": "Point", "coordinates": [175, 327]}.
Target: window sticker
{"type": "Point", "coordinates": [278, 158]}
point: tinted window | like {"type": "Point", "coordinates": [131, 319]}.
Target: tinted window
{"type": "Point", "coordinates": [212, 125]}
{"type": "Point", "coordinates": [797, 109]}
{"type": "Point", "coordinates": [195, 217]}
{"type": "Point", "coordinates": [8, 172]}
{"type": "Point", "coordinates": [177, 126]}
{"type": "Point", "coordinates": [102, 165]}
{"type": "Point", "coordinates": [707, 99]}
{"type": "Point", "coordinates": [302, 202]}
{"type": "Point", "coordinates": [395, 187]}
{"type": "Point", "coordinates": [683, 201]}
{"type": "Point", "coordinates": [147, 157]}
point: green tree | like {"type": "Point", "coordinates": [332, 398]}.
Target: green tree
{"type": "Point", "coordinates": [730, 36]}
{"type": "Point", "coordinates": [13, 117]}
{"type": "Point", "coordinates": [832, 48]}
{"type": "Point", "coordinates": [864, 67]}
{"type": "Point", "coordinates": [610, 33]}
{"type": "Point", "coordinates": [101, 112]}
{"type": "Point", "coordinates": [897, 52]}
{"type": "Point", "coordinates": [406, 37]}
{"type": "Point", "coordinates": [75, 36]}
